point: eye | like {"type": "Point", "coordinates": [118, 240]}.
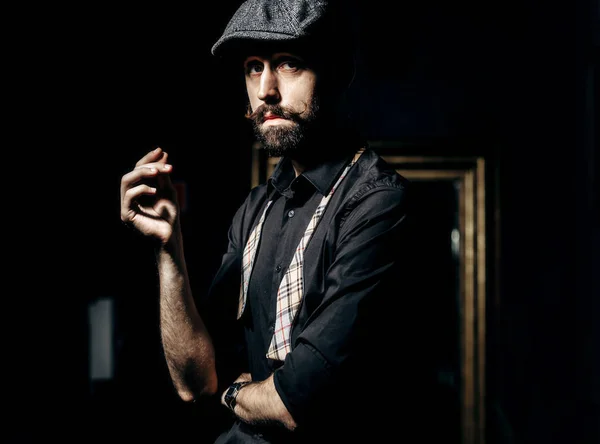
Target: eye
{"type": "Point", "coordinates": [253, 68]}
{"type": "Point", "coordinates": [290, 65]}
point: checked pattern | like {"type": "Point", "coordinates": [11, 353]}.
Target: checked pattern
{"type": "Point", "coordinates": [248, 259]}
{"type": "Point", "coordinates": [291, 288]}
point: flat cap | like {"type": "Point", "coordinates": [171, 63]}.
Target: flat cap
{"type": "Point", "coordinates": [272, 21]}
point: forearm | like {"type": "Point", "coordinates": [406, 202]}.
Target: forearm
{"type": "Point", "coordinates": [259, 403]}
{"type": "Point", "coordinates": [186, 343]}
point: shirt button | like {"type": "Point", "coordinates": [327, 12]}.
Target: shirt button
{"type": "Point", "coordinates": [278, 268]}
{"type": "Point", "coordinates": [291, 213]}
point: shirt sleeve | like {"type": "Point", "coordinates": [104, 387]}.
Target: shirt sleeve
{"type": "Point", "coordinates": [350, 327]}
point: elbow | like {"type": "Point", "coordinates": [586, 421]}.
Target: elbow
{"type": "Point", "coordinates": [192, 383]}
{"type": "Point", "coordinates": [186, 396]}
{"type": "Point", "coordinates": [210, 386]}
{"type": "Point", "coordinates": [287, 421]}
{"type": "Point", "coordinates": [197, 392]}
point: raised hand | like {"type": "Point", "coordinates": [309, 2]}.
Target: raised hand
{"type": "Point", "coordinates": [148, 198]}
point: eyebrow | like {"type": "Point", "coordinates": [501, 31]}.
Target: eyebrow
{"type": "Point", "coordinates": [275, 57]}
{"type": "Point", "coordinates": [287, 55]}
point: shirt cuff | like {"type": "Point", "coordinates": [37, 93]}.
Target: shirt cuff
{"type": "Point", "coordinates": [300, 381]}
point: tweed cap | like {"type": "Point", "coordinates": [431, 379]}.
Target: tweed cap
{"type": "Point", "coordinates": [273, 21]}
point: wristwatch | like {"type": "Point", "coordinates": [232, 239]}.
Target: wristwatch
{"type": "Point", "coordinates": [232, 393]}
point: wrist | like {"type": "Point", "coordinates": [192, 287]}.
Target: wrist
{"type": "Point", "coordinates": [232, 392]}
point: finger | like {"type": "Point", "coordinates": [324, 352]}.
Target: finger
{"type": "Point", "coordinates": [164, 157]}
{"type": "Point", "coordinates": [164, 177]}
{"type": "Point", "coordinates": [139, 173]}
{"type": "Point", "coordinates": [152, 156]}
{"type": "Point", "coordinates": [131, 198]}
{"type": "Point", "coordinates": [147, 174]}
{"type": "Point", "coordinates": [160, 166]}
{"type": "Point", "coordinates": [244, 377]}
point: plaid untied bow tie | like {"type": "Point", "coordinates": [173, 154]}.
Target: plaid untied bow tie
{"type": "Point", "coordinates": [291, 288]}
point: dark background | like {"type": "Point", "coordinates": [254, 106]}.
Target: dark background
{"type": "Point", "coordinates": [92, 88]}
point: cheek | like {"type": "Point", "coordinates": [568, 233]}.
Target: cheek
{"type": "Point", "coordinates": [299, 92]}
{"type": "Point", "coordinates": [254, 103]}
{"type": "Point", "coordinates": [252, 96]}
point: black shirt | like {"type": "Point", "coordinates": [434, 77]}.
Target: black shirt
{"type": "Point", "coordinates": [351, 264]}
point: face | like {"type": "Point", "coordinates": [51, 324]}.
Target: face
{"type": "Point", "coordinates": [282, 100]}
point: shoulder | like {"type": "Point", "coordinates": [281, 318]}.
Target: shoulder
{"type": "Point", "coordinates": [374, 168]}
{"type": "Point", "coordinates": [374, 175]}
{"type": "Point", "coordinates": [374, 190]}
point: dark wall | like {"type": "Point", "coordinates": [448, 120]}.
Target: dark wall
{"type": "Point", "coordinates": [96, 88]}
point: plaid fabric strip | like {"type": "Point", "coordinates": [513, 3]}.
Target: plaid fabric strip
{"type": "Point", "coordinates": [248, 259]}
{"type": "Point", "coordinates": [291, 288]}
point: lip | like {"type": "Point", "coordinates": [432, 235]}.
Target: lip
{"type": "Point", "coordinates": [271, 117]}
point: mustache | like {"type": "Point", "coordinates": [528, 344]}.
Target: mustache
{"type": "Point", "coordinates": [277, 110]}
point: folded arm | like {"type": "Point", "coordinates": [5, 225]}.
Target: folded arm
{"type": "Point", "coordinates": [259, 403]}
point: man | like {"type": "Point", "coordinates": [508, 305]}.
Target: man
{"type": "Point", "coordinates": [299, 333]}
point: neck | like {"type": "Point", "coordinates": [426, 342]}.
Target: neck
{"type": "Point", "coordinates": [325, 146]}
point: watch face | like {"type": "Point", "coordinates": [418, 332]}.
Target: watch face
{"type": "Point", "coordinates": [230, 395]}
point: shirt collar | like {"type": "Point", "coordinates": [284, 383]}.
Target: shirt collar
{"type": "Point", "coordinates": [322, 176]}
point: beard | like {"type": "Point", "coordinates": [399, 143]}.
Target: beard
{"type": "Point", "coordinates": [284, 140]}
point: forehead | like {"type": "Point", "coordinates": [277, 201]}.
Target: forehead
{"type": "Point", "coordinates": [264, 49]}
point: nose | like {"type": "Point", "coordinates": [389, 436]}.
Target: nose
{"type": "Point", "coordinates": [268, 91]}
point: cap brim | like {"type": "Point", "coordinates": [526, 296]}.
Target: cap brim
{"type": "Point", "coordinates": [235, 41]}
